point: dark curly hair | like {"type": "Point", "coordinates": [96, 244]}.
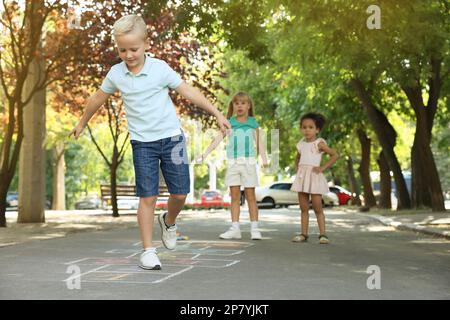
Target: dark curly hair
{"type": "Point", "coordinates": [319, 119]}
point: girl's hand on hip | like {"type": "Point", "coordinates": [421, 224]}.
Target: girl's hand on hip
{"type": "Point", "coordinates": [318, 170]}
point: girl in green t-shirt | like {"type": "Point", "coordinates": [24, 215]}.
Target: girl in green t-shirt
{"type": "Point", "coordinates": [243, 143]}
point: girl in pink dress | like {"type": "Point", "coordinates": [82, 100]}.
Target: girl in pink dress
{"type": "Point", "coordinates": [310, 180]}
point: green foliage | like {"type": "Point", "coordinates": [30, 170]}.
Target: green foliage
{"type": "Point", "coordinates": [86, 170]}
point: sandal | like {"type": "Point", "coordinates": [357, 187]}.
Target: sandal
{"type": "Point", "coordinates": [300, 238]}
{"type": "Point", "coordinates": [323, 239]}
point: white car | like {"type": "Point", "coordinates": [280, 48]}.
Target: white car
{"type": "Point", "coordinates": [279, 193]}
{"type": "Point", "coordinates": [124, 203]}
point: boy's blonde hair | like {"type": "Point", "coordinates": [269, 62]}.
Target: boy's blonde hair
{"type": "Point", "coordinates": [130, 23]}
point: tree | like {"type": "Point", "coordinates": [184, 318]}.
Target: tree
{"type": "Point", "coordinates": [411, 54]}
{"type": "Point", "coordinates": [23, 29]}
{"type": "Point", "coordinates": [421, 70]}
{"type": "Point", "coordinates": [364, 168]}
{"type": "Point", "coordinates": [328, 36]}
{"type": "Point", "coordinates": [183, 54]}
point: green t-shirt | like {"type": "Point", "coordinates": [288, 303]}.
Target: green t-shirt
{"type": "Point", "coordinates": [242, 141]}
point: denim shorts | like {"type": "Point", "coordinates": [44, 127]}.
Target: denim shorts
{"type": "Point", "coordinates": [171, 155]}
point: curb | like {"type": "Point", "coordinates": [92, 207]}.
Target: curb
{"type": "Point", "coordinates": [409, 226]}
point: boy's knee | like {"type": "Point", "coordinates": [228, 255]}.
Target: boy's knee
{"type": "Point", "coordinates": [149, 201]}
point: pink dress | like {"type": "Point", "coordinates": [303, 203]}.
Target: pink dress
{"type": "Point", "coordinates": [306, 180]}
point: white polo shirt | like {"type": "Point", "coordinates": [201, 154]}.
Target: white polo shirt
{"type": "Point", "coordinates": [150, 112]}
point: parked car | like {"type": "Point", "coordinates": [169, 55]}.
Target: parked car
{"type": "Point", "coordinates": [12, 199]}
{"type": "Point", "coordinates": [242, 199]}
{"type": "Point", "coordinates": [344, 195]}
{"type": "Point", "coordinates": [124, 203]}
{"type": "Point", "coordinates": [88, 203]}
{"type": "Point", "coordinates": [131, 203]}
{"type": "Point", "coordinates": [226, 200]}
{"type": "Point", "coordinates": [211, 198]}
{"type": "Point", "coordinates": [279, 193]}
{"type": "Point", "coordinates": [161, 202]}
{"type": "Point", "coordinates": [394, 200]}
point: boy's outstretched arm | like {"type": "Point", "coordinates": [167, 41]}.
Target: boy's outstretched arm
{"type": "Point", "coordinates": [194, 95]}
{"type": "Point", "coordinates": [93, 104]}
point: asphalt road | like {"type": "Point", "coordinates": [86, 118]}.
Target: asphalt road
{"type": "Point", "coordinates": [365, 260]}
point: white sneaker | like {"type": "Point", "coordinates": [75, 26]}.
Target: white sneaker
{"type": "Point", "coordinates": [232, 233]}
{"type": "Point", "coordinates": [256, 234]}
{"type": "Point", "coordinates": [168, 234]}
{"type": "Point", "coordinates": [149, 260]}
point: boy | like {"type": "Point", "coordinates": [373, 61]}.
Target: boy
{"type": "Point", "coordinates": [154, 128]}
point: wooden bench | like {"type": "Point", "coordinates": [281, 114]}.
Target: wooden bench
{"type": "Point", "coordinates": [126, 191]}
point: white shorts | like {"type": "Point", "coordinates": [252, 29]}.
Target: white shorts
{"type": "Point", "coordinates": [241, 172]}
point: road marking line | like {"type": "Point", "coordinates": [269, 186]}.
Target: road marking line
{"type": "Point", "coordinates": [118, 282]}
{"type": "Point", "coordinates": [79, 260]}
{"type": "Point", "coordinates": [118, 277]}
{"type": "Point", "coordinates": [199, 266]}
{"type": "Point", "coordinates": [173, 275]}
{"type": "Point", "coordinates": [132, 255]}
{"type": "Point", "coordinates": [232, 263]}
{"type": "Point", "coordinates": [204, 259]}
{"type": "Point", "coordinates": [93, 270]}
{"type": "Point", "coordinates": [130, 272]}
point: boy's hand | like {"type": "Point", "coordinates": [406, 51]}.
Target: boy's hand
{"type": "Point", "coordinates": [77, 131]}
{"type": "Point", "coordinates": [224, 125]}
{"type": "Point", "coordinates": [200, 159]}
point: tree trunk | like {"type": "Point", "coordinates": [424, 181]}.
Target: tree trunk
{"type": "Point", "coordinates": [3, 209]}
{"type": "Point", "coordinates": [385, 182]}
{"type": "Point", "coordinates": [13, 133]}
{"type": "Point", "coordinates": [386, 136]}
{"type": "Point", "coordinates": [426, 177]}
{"type": "Point", "coordinates": [10, 152]}
{"type": "Point", "coordinates": [336, 179]}
{"type": "Point", "coordinates": [364, 169]}
{"type": "Point", "coordinates": [353, 185]}
{"type": "Point", "coordinates": [32, 154]}
{"type": "Point", "coordinates": [420, 196]}
{"type": "Point", "coordinates": [426, 186]}
{"type": "Point", "coordinates": [59, 189]}
{"type": "Point", "coordinates": [113, 181]}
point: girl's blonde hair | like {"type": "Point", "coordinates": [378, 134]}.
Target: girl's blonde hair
{"type": "Point", "coordinates": [128, 24]}
{"type": "Point", "coordinates": [240, 96]}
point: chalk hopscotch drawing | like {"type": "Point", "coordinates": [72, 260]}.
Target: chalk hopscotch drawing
{"type": "Point", "coordinates": [121, 265]}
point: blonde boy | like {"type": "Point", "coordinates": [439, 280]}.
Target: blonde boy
{"type": "Point", "coordinates": [156, 136]}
